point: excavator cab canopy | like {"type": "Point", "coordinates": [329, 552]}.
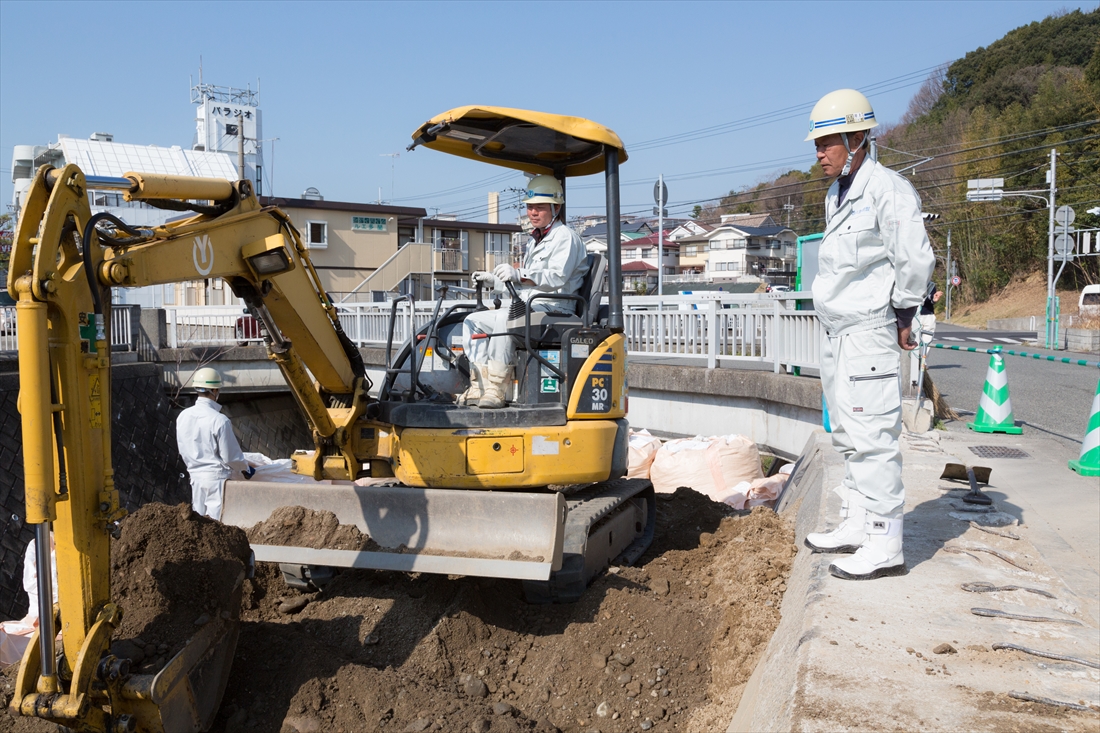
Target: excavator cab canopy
{"type": "Point", "coordinates": [539, 142]}
{"type": "Point", "coordinates": [535, 142]}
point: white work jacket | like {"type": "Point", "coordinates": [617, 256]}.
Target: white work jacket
{"type": "Point", "coordinates": [557, 264]}
{"type": "Point", "coordinates": [206, 442]}
{"type": "Point", "coordinates": [875, 255]}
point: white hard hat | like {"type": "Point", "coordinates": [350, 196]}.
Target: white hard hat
{"type": "Point", "coordinates": [844, 110]}
{"type": "Point", "coordinates": [544, 190]}
{"type": "Point", "coordinates": [206, 379]}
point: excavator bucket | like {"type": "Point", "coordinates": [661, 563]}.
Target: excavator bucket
{"type": "Point", "coordinates": [496, 534]}
{"type": "Point", "coordinates": [185, 695]}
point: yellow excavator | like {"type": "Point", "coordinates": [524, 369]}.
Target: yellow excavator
{"type": "Point", "coordinates": [532, 491]}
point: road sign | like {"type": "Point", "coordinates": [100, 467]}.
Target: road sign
{"type": "Point", "coordinates": [1063, 243]}
{"type": "Point", "coordinates": [660, 193]}
{"type": "Point", "coordinates": [1064, 215]}
{"type": "Point", "coordinates": [956, 281]}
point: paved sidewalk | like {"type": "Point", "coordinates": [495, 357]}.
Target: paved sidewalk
{"type": "Point", "coordinates": [863, 655]}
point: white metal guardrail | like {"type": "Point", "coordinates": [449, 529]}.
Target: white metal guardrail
{"type": "Point", "coordinates": [120, 329]}
{"type": "Point", "coordinates": [704, 328]}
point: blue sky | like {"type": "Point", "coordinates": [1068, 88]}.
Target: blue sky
{"type": "Point", "coordinates": [345, 83]}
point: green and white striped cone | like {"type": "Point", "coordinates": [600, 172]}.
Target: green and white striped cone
{"type": "Point", "coordinates": [995, 406]}
{"type": "Point", "coordinates": [1089, 462]}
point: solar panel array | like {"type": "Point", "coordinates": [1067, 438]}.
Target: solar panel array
{"type": "Point", "coordinates": [98, 158]}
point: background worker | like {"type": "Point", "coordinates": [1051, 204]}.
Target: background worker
{"type": "Point", "coordinates": [208, 446]}
{"type": "Point", "coordinates": [927, 317]}
{"type": "Point", "coordinates": [555, 262]}
{"type": "Point", "coordinates": [875, 262]}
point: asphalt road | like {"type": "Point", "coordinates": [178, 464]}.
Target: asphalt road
{"type": "Point", "coordinates": [1051, 399]}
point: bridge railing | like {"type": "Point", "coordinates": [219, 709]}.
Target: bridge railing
{"type": "Point", "coordinates": [121, 329]}
{"type": "Point", "coordinates": [709, 328]}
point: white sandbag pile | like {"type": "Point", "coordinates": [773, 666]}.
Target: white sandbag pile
{"type": "Point", "coordinates": [643, 447]}
{"type": "Point", "coordinates": [711, 466]}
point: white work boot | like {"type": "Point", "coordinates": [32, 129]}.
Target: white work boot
{"type": "Point", "coordinates": [845, 538]}
{"type": "Point", "coordinates": [496, 379]}
{"type": "Point", "coordinates": [472, 395]}
{"type": "Point", "coordinates": [880, 555]}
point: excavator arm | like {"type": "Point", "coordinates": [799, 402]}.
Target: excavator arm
{"type": "Point", "coordinates": [64, 262]}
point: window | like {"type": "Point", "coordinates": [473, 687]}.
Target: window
{"type": "Point", "coordinates": [717, 243]}
{"type": "Point", "coordinates": [499, 244]}
{"type": "Point", "coordinates": [316, 234]}
{"type": "Point", "coordinates": [405, 235]}
{"type": "Point", "coordinates": [647, 252]}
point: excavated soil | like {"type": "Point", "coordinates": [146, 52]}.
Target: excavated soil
{"type": "Point", "coordinates": [172, 571]}
{"type": "Point", "coordinates": [665, 645]}
{"type": "Point", "coordinates": [295, 526]}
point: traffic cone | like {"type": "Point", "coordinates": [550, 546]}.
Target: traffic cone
{"type": "Point", "coordinates": [995, 406]}
{"type": "Point", "coordinates": [1089, 462]}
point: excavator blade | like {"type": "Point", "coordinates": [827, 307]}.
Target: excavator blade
{"type": "Point", "coordinates": [496, 534]}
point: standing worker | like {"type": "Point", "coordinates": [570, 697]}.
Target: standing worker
{"type": "Point", "coordinates": [555, 262]}
{"type": "Point", "coordinates": [208, 446]}
{"type": "Point", "coordinates": [874, 264]}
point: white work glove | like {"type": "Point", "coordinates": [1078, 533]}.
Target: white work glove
{"type": "Point", "coordinates": [506, 273]}
{"type": "Point", "coordinates": [481, 276]}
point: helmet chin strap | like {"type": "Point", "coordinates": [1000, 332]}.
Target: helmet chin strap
{"type": "Point", "coordinates": [851, 153]}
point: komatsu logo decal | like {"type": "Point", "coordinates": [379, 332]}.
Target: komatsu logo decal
{"type": "Point", "coordinates": [203, 255]}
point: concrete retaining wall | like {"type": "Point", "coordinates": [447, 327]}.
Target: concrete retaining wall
{"type": "Point", "coordinates": [777, 411]}
{"type": "Point", "coordinates": [1081, 340]}
{"type": "Point", "coordinates": [1028, 323]}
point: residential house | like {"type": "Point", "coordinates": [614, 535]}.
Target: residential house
{"type": "Point", "coordinates": [595, 237]}
{"type": "Point", "coordinates": [369, 252]}
{"type": "Point", "coordinates": [737, 251]}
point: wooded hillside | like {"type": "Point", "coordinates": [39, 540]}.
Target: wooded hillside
{"type": "Point", "coordinates": [996, 113]}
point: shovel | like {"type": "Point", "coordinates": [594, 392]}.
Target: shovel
{"type": "Point", "coordinates": [975, 475]}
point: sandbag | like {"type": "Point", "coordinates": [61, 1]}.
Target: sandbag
{"type": "Point", "coordinates": [758, 492]}
{"type": "Point", "coordinates": [15, 636]}
{"type": "Point", "coordinates": [643, 447]}
{"type": "Point", "coordinates": [710, 466]}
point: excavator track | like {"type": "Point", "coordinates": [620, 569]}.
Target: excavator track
{"type": "Point", "coordinates": [611, 522]}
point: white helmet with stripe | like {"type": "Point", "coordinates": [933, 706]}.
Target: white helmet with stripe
{"type": "Point", "coordinates": [544, 189]}
{"type": "Point", "coordinates": [844, 110]}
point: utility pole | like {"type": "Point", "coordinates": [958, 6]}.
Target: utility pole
{"type": "Point", "coordinates": [788, 207]}
{"type": "Point", "coordinates": [947, 268]}
{"type": "Point", "coordinates": [1052, 305]}
{"type": "Point", "coordinates": [240, 146]}
{"type": "Point", "coordinates": [660, 195]}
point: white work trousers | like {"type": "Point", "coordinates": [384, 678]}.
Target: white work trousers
{"type": "Point", "coordinates": [497, 348]}
{"type": "Point", "coordinates": [860, 377]}
{"type": "Point", "coordinates": [206, 496]}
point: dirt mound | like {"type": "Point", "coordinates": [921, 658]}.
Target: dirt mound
{"type": "Point", "coordinates": [671, 641]}
{"type": "Point", "coordinates": [665, 645]}
{"type": "Point", "coordinates": [295, 526]}
{"type": "Point", "coordinates": [171, 571]}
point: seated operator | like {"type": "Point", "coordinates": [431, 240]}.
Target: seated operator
{"type": "Point", "coordinates": [555, 262]}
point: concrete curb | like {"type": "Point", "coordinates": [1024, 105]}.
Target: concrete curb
{"type": "Point", "coordinates": [862, 655]}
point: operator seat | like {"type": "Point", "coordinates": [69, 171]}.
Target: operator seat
{"type": "Point", "coordinates": [546, 328]}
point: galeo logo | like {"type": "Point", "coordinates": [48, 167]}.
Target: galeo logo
{"type": "Point", "coordinates": [203, 255]}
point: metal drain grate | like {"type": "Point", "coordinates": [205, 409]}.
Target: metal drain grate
{"type": "Point", "coordinates": [997, 451]}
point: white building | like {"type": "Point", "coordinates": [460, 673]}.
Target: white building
{"type": "Point", "coordinates": [221, 144]}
